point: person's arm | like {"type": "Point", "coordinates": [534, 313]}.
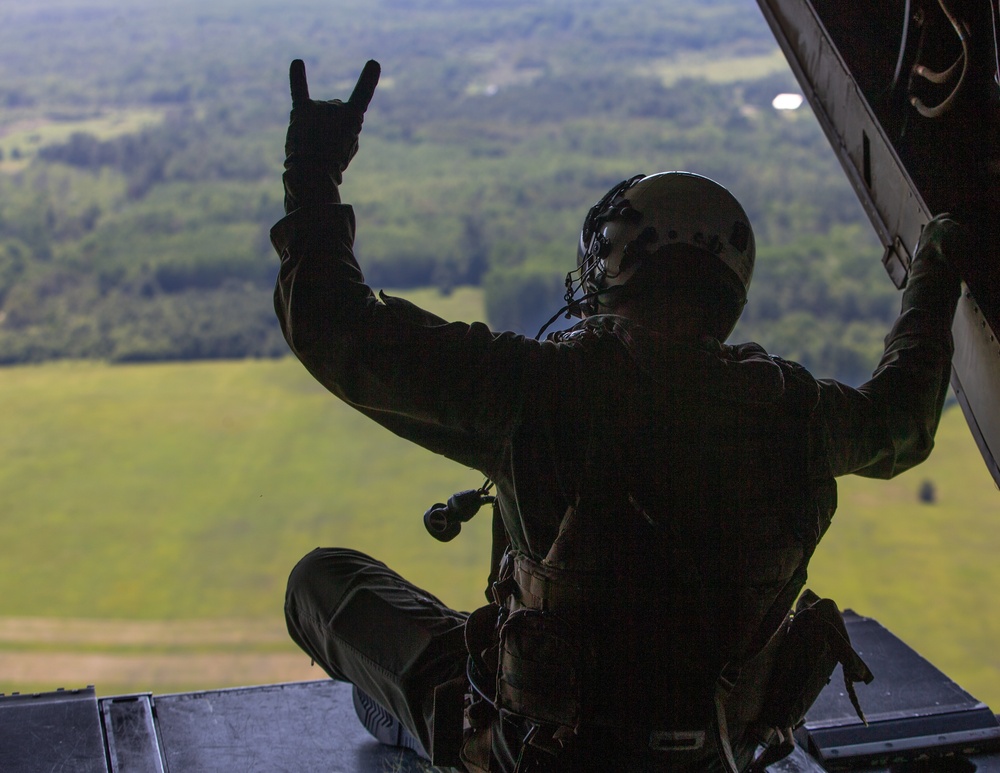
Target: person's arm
{"type": "Point", "coordinates": [450, 387]}
{"type": "Point", "coordinates": [887, 425]}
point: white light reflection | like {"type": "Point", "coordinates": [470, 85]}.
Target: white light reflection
{"type": "Point", "coordinates": [787, 102]}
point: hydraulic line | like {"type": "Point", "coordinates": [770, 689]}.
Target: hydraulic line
{"type": "Point", "coordinates": [996, 42]}
{"type": "Point", "coordinates": [902, 45]}
{"type": "Point", "coordinates": [945, 75]}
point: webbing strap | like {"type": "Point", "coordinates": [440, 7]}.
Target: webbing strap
{"type": "Point", "coordinates": [722, 729]}
{"type": "Point", "coordinates": [544, 588]}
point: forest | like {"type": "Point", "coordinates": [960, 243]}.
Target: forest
{"type": "Point", "coordinates": [141, 148]}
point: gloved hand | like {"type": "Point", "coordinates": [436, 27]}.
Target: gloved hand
{"type": "Point", "coordinates": [943, 231]}
{"type": "Point", "coordinates": [322, 137]}
{"type": "Point", "coordinates": [933, 280]}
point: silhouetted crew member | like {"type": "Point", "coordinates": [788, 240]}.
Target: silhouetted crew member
{"type": "Point", "coordinates": [658, 493]}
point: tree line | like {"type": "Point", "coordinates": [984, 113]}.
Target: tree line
{"type": "Point", "coordinates": [153, 244]}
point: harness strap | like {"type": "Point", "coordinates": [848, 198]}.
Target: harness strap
{"type": "Point", "coordinates": [498, 550]}
{"type": "Point", "coordinates": [722, 689]}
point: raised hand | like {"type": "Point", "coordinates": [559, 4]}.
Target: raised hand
{"type": "Point", "coordinates": [322, 135]}
{"type": "Point", "coordinates": [933, 281]}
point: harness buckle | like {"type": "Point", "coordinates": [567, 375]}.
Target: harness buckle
{"type": "Point", "coordinates": [676, 740]}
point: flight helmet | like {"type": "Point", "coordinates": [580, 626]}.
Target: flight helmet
{"type": "Point", "coordinates": [694, 230]}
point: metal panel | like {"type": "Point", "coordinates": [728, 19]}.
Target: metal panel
{"type": "Point", "coordinates": [921, 167]}
{"type": "Point", "coordinates": [52, 731]}
{"type": "Point", "coordinates": [850, 126]}
{"type": "Point", "coordinates": [297, 727]}
{"type": "Point", "coordinates": [975, 377]}
{"type": "Point", "coordinates": [131, 734]}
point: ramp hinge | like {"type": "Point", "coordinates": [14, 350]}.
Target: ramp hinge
{"type": "Point", "coordinates": [897, 262]}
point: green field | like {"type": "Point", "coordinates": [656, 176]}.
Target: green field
{"type": "Point", "coordinates": [151, 513]}
{"type": "Point", "coordinates": [20, 141]}
{"type": "Point", "coordinates": [715, 68]}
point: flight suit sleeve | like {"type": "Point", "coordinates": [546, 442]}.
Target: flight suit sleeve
{"type": "Point", "coordinates": [453, 388]}
{"type": "Point", "coordinates": [887, 425]}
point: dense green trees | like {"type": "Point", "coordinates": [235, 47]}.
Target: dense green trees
{"type": "Point", "coordinates": [495, 127]}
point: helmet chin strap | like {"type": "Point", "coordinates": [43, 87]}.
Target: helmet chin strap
{"type": "Point", "coordinates": [577, 306]}
{"type": "Point", "coordinates": [612, 297]}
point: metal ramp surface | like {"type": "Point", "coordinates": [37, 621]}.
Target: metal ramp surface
{"type": "Point", "coordinates": [918, 718]}
{"type": "Point", "coordinates": [920, 721]}
{"type": "Point", "coordinates": [297, 727]}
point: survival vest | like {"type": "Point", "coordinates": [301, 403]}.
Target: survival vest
{"type": "Point", "coordinates": [676, 566]}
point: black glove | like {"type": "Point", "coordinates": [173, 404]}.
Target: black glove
{"type": "Point", "coordinates": [322, 137]}
{"type": "Point", "coordinates": [933, 280]}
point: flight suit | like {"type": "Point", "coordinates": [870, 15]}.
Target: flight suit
{"type": "Point", "coordinates": [550, 422]}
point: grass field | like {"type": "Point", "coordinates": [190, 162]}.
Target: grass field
{"type": "Point", "coordinates": [149, 516]}
{"type": "Point", "coordinates": [19, 142]}
{"type": "Point", "coordinates": [187, 492]}
{"type": "Point", "coordinates": [715, 68]}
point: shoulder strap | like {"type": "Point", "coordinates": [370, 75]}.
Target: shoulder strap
{"type": "Point", "coordinates": [499, 548]}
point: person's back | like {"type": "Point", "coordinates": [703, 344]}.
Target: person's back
{"type": "Point", "coordinates": [665, 502]}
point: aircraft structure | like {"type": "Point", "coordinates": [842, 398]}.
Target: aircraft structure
{"type": "Point", "coordinates": [907, 93]}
